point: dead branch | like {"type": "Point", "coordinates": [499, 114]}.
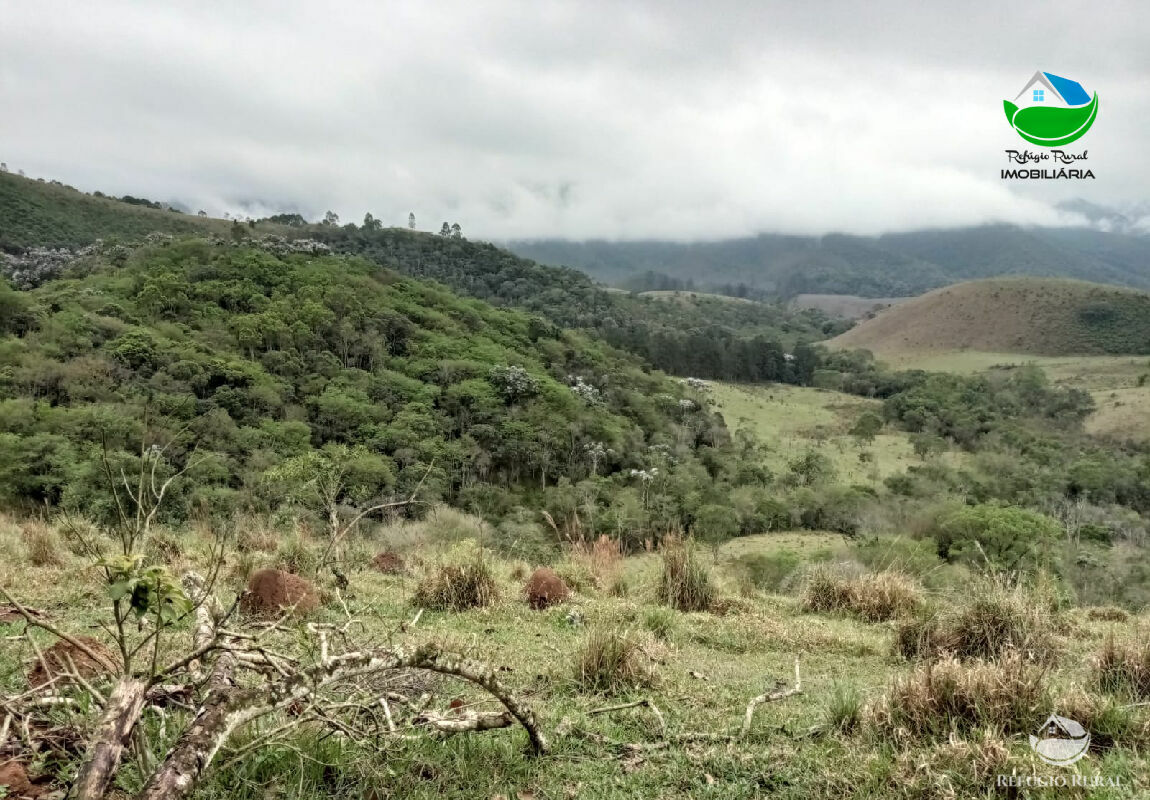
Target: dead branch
{"type": "Point", "coordinates": [771, 697]}
{"type": "Point", "coordinates": [646, 701]}
{"type": "Point", "coordinates": [107, 745]}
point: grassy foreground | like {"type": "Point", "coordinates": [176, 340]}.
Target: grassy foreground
{"type": "Point", "coordinates": [834, 740]}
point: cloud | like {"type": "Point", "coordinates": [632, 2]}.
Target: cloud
{"type": "Point", "coordinates": [592, 119]}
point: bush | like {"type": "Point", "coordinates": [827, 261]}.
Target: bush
{"type": "Point", "coordinates": [611, 661]}
{"type": "Point", "coordinates": [874, 597]}
{"type": "Point", "coordinates": [1107, 614]}
{"type": "Point", "coordinates": [938, 699]}
{"type": "Point", "coordinates": [296, 557]}
{"type": "Point", "coordinates": [685, 583]}
{"type": "Point", "coordinates": [1124, 667]}
{"type": "Point", "coordinates": [544, 589]}
{"type": "Point", "coordinates": [592, 565]}
{"type": "Point", "coordinates": [466, 581]}
{"type": "Point", "coordinates": [1004, 537]}
{"type": "Point", "coordinates": [996, 621]}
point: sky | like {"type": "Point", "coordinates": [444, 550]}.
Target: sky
{"type": "Point", "coordinates": [615, 120]}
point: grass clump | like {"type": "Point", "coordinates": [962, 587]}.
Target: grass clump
{"type": "Point", "coordinates": [875, 597]}
{"type": "Point", "coordinates": [611, 661]}
{"type": "Point", "coordinates": [685, 583]}
{"type": "Point", "coordinates": [998, 620]}
{"type": "Point", "coordinates": [1107, 614]}
{"type": "Point", "coordinates": [465, 580]}
{"type": "Point", "coordinates": [43, 545]}
{"type": "Point", "coordinates": [1123, 667]}
{"type": "Point", "coordinates": [845, 708]}
{"type": "Point", "coordinates": [949, 696]}
{"type": "Point", "coordinates": [660, 621]}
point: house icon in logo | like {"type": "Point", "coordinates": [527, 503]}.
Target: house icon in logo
{"type": "Point", "coordinates": [1050, 90]}
{"type": "Point", "coordinates": [1060, 741]}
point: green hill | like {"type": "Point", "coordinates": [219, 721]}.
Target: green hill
{"type": "Point", "coordinates": [1011, 315]}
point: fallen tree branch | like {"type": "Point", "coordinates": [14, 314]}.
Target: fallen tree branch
{"type": "Point", "coordinates": [771, 697]}
{"type": "Point", "coordinates": [646, 701]}
{"type": "Point", "coordinates": [107, 745]}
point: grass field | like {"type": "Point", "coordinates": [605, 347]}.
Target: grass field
{"type": "Point", "coordinates": [792, 419]}
{"type": "Point", "coordinates": [704, 667]}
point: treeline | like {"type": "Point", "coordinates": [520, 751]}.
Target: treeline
{"type": "Point", "coordinates": [699, 336]}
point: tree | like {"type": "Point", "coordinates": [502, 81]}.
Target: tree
{"type": "Point", "coordinates": [411, 220]}
{"type": "Point", "coordinates": [201, 213]}
{"type": "Point", "coordinates": [3, 166]}
{"type": "Point", "coordinates": [445, 230]}
{"type": "Point", "coordinates": [331, 219]}
{"type": "Point", "coordinates": [370, 223]}
{"type": "Point", "coordinates": [1000, 537]}
{"type": "Point", "coordinates": [867, 427]}
{"type": "Point", "coordinates": [456, 231]}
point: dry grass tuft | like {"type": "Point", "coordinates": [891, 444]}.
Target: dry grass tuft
{"type": "Point", "coordinates": [465, 582]}
{"type": "Point", "coordinates": [940, 698]}
{"type": "Point", "coordinates": [1107, 614]}
{"type": "Point", "coordinates": [592, 565]}
{"type": "Point", "coordinates": [544, 589]}
{"type": "Point", "coordinates": [43, 546]}
{"type": "Point", "coordinates": [611, 661]}
{"type": "Point", "coordinates": [1123, 667]}
{"type": "Point", "coordinates": [875, 597]}
{"type": "Point", "coordinates": [999, 620]}
{"type": "Point", "coordinates": [685, 583]}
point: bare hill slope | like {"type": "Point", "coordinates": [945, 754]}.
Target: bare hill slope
{"type": "Point", "coordinates": [1038, 316]}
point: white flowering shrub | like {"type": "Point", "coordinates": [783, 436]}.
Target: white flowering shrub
{"type": "Point", "coordinates": [514, 383]}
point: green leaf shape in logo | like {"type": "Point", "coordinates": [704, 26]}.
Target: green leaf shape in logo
{"type": "Point", "coordinates": [1051, 127]}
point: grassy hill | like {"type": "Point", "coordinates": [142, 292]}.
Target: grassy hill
{"type": "Point", "coordinates": [49, 214]}
{"type": "Point", "coordinates": [844, 306]}
{"type": "Point", "coordinates": [1023, 315]}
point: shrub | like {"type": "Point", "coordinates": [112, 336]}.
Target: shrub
{"type": "Point", "coordinates": [996, 621]}
{"type": "Point", "coordinates": [1004, 537]}
{"type": "Point", "coordinates": [685, 583]}
{"type": "Point", "coordinates": [938, 699]}
{"type": "Point", "coordinates": [544, 589]}
{"type": "Point", "coordinates": [467, 582]}
{"type": "Point", "coordinates": [1123, 667]}
{"type": "Point", "coordinates": [43, 546]}
{"type": "Point", "coordinates": [611, 661]}
{"type": "Point", "coordinates": [874, 597]}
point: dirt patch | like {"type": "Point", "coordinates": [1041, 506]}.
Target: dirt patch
{"type": "Point", "coordinates": [271, 591]}
{"type": "Point", "coordinates": [60, 657]}
{"type": "Point", "coordinates": [544, 589]}
{"type": "Point", "coordinates": [389, 563]}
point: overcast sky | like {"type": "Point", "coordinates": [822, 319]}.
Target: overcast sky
{"type": "Point", "coordinates": [574, 119]}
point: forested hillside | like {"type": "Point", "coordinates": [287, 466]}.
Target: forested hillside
{"type": "Point", "coordinates": [705, 337]}
{"type": "Point", "coordinates": [261, 360]}
{"type": "Point", "coordinates": [890, 265]}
